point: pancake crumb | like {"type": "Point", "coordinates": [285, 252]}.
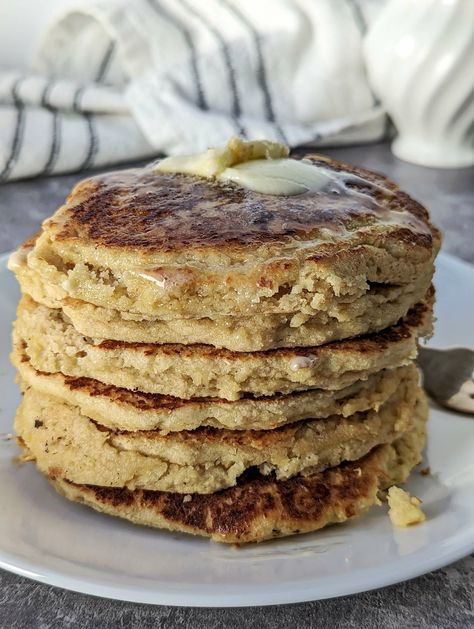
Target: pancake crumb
{"type": "Point", "coordinates": [404, 510]}
{"type": "Point", "coordinates": [426, 471]}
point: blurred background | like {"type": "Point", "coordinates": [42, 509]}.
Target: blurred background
{"type": "Point", "coordinates": [94, 83]}
{"type": "Point", "coordinates": [90, 83]}
{"type": "Point", "coordinates": [22, 24]}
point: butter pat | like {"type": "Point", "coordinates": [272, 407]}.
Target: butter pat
{"type": "Point", "coordinates": [261, 166]}
{"type": "Point", "coordinates": [404, 510]}
{"type": "Point", "coordinates": [285, 177]}
{"type": "Point", "coordinates": [213, 162]}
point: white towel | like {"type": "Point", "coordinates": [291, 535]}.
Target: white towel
{"type": "Point", "coordinates": [116, 80]}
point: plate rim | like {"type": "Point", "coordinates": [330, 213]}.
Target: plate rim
{"type": "Point", "coordinates": [373, 581]}
{"type": "Point", "coordinates": [357, 581]}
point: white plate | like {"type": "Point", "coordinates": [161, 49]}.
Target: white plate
{"type": "Point", "coordinates": [49, 539]}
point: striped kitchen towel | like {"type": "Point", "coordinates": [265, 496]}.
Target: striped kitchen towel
{"type": "Point", "coordinates": [116, 81]}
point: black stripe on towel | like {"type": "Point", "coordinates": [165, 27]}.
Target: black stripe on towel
{"type": "Point", "coordinates": [236, 108]}
{"type": "Point", "coordinates": [93, 143]}
{"type": "Point", "coordinates": [93, 148]}
{"type": "Point", "coordinates": [45, 95]}
{"type": "Point", "coordinates": [55, 143]}
{"type": "Point", "coordinates": [55, 130]}
{"type": "Point", "coordinates": [77, 98]}
{"type": "Point", "coordinates": [162, 12]}
{"type": "Point", "coordinates": [261, 71]}
{"type": "Point", "coordinates": [17, 134]}
{"type": "Point", "coordinates": [91, 130]}
{"type": "Point", "coordinates": [105, 63]}
{"type": "Point", "coordinates": [101, 72]}
{"type": "Point", "coordinates": [358, 16]}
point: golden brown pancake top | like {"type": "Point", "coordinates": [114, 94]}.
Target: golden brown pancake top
{"type": "Point", "coordinates": [151, 211]}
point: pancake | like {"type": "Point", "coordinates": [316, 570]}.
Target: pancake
{"type": "Point", "coordinates": [382, 306]}
{"type": "Point", "coordinates": [121, 409]}
{"type": "Point", "coordinates": [185, 371]}
{"type": "Point", "coordinates": [174, 246]}
{"type": "Point", "coordinates": [259, 507]}
{"type": "Point", "coordinates": [205, 460]}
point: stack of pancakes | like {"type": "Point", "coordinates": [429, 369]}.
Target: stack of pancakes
{"type": "Point", "coordinates": [200, 357]}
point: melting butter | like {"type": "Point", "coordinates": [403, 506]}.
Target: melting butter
{"type": "Point", "coordinates": [165, 278]}
{"type": "Point", "coordinates": [261, 166]}
{"type": "Point", "coordinates": [285, 177]}
{"type": "Point", "coordinates": [19, 257]}
{"type": "Point", "coordinates": [302, 362]}
{"type": "Point", "coordinates": [213, 162]}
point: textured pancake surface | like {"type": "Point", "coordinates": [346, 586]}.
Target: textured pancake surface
{"type": "Point", "coordinates": [260, 507]}
{"type": "Point", "coordinates": [121, 409]}
{"type": "Point", "coordinates": [70, 445]}
{"type": "Point", "coordinates": [174, 246]}
{"type": "Point", "coordinates": [53, 345]}
{"type": "Point", "coordinates": [381, 306]}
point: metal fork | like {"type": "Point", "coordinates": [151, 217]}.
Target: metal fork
{"type": "Point", "coordinates": [448, 376]}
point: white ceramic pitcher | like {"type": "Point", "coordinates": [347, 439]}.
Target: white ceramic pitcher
{"type": "Point", "coordinates": [420, 60]}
